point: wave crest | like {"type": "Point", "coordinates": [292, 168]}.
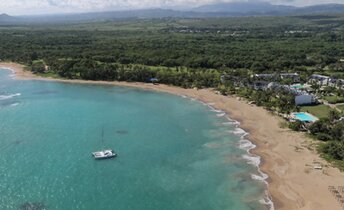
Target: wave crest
{"type": "Point", "coordinates": [5, 97]}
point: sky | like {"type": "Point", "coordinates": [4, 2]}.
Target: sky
{"type": "Point", "coordinates": [28, 7]}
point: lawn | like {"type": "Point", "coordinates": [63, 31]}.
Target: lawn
{"type": "Point", "coordinates": [341, 107]}
{"type": "Point", "coordinates": [320, 111]}
{"type": "Point", "coordinates": [334, 99]}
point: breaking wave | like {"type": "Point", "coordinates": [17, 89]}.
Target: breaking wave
{"type": "Point", "coordinates": [5, 97]}
{"type": "Point", "coordinates": [247, 146]}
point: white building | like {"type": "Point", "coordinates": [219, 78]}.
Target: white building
{"type": "Point", "coordinates": [320, 79]}
{"type": "Point", "coordinates": [295, 77]}
{"type": "Point", "coordinates": [304, 99]}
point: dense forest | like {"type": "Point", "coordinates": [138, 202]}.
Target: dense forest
{"type": "Point", "coordinates": [187, 50]}
{"type": "Point", "coordinates": [190, 53]}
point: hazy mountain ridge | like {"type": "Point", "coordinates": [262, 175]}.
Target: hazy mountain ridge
{"type": "Point", "coordinates": [211, 10]}
{"type": "Point", "coordinates": [243, 7]}
{"type": "Point", "coordinates": [264, 8]}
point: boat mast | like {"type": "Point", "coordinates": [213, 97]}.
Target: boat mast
{"type": "Point", "coordinates": [102, 134]}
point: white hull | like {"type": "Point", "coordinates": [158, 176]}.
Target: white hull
{"type": "Point", "coordinates": [104, 154]}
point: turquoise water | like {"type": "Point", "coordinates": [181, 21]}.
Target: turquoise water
{"type": "Point", "coordinates": [298, 86]}
{"type": "Point", "coordinates": [305, 117]}
{"type": "Point", "coordinates": [173, 153]}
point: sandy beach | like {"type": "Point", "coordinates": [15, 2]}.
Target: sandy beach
{"type": "Point", "coordinates": [287, 157]}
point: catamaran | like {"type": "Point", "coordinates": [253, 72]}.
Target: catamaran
{"type": "Point", "coordinates": [104, 154]}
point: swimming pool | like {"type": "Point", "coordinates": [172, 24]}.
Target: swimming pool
{"type": "Point", "coordinates": [304, 117]}
{"type": "Point", "coordinates": [297, 86]}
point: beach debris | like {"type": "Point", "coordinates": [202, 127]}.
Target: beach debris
{"type": "Point", "coordinates": [33, 206]}
{"type": "Point", "coordinates": [318, 167]}
{"type": "Point", "coordinates": [122, 132]}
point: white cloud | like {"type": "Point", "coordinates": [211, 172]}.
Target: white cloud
{"type": "Point", "coordinates": [16, 7]}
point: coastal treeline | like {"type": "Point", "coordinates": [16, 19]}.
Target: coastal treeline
{"type": "Point", "coordinates": [93, 70]}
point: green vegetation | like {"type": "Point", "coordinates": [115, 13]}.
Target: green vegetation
{"type": "Point", "coordinates": [341, 107]}
{"type": "Point", "coordinates": [320, 111]}
{"type": "Point", "coordinates": [327, 150]}
{"type": "Point", "coordinates": [296, 126]}
{"type": "Point", "coordinates": [106, 50]}
{"type": "Point", "coordinates": [196, 53]}
{"type": "Point", "coordinates": [330, 130]}
{"type": "Point", "coordinates": [334, 99]}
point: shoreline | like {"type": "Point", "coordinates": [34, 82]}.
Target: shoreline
{"type": "Point", "coordinates": [285, 155]}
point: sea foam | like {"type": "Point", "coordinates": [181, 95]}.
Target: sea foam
{"type": "Point", "coordinates": [14, 104]}
{"type": "Point", "coordinates": [256, 161]}
{"type": "Point", "coordinates": [4, 97]}
{"type": "Point", "coordinates": [221, 114]}
{"type": "Point", "coordinates": [247, 146]}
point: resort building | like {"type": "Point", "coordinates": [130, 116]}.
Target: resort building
{"type": "Point", "coordinates": [337, 83]}
{"type": "Point", "coordinates": [301, 97]}
{"type": "Point", "coordinates": [304, 99]}
{"type": "Point", "coordinates": [319, 79]}
{"type": "Point", "coordinates": [295, 77]}
{"type": "Point", "coordinates": [268, 77]}
{"type": "Point", "coordinates": [261, 85]}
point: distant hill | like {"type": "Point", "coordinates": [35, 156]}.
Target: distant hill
{"type": "Point", "coordinates": [265, 8]}
{"type": "Point", "coordinates": [211, 10]}
{"type": "Point", "coordinates": [243, 8]}
{"type": "Point", "coordinates": [6, 18]}
{"type": "Point", "coordinates": [99, 16]}
{"type": "Point", "coordinates": [325, 8]}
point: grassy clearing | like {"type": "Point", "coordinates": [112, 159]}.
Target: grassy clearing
{"type": "Point", "coordinates": [50, 75]}
{"type": "Point", "coordinates": [334, 99]}
{"type": "Point", "coordinates": [341, 107]}
{"type": "Point", "coordinates": [320, 111]}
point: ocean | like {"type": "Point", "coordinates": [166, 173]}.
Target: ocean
{"type": "Point", "coordinates": [174, 153]}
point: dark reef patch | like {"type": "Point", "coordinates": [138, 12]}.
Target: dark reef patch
{"type": "Point", "coordinates": [32, 206]}
{"type": "Point", "coordinates": [122, 132]}
{"type": "Point", "coordinates": [18, 142]}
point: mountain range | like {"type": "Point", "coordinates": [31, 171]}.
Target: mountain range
{"type": "Point", "coordinates": [211, 10]}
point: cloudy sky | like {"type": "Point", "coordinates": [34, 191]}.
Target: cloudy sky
{"type": "Point", "coordinates": [20, 7]}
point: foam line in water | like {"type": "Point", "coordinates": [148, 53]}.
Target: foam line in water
{"type": "Point", "coordinates": [247, 146]}
{"type": "Point", "coordinates": [250, 158]}
{"type": "Point", "coordinates": [221, 114]}
{"type": "Point", "coordinates": [4, 97]}
{"type": "Point", "coordinates": [239, 132]}
{"type": "Point", "coordinates": [14, 104]}
{"type": "Point", "coordinates": [231, 123]}
{"type": "Point", "coordinates": [13, 73]}
{"type": "Point", "coordinates": [255, 161]}
{"type": "Point", "coordinates": [217, 110]}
